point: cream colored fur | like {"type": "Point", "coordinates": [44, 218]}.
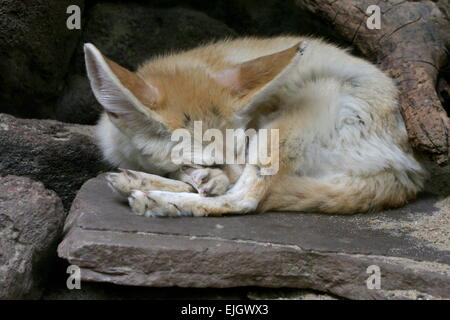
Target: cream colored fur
{"type": "Point", "coordinates": [343, 143]}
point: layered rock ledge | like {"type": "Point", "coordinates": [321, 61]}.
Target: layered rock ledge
{"type": "Point", "coordinates": [298, 250]}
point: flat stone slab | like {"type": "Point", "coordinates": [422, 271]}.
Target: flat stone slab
{"type": "Point", "coordinates": [410, 246]}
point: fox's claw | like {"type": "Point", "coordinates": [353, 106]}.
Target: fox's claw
{"type": "Point", "coordinates": [129, 173]}
{"type": "Point", "coordinates": [123, 182]}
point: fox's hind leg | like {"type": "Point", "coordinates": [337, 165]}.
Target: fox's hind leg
{"type": "Point", "coordinates": [125, 181]}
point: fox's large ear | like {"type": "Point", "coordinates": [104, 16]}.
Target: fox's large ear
{"type": "Point", "coordinates": [122, 93]}
{"type": "Point", "coordinates": [256, 80]}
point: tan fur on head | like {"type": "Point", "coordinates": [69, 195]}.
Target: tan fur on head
{"type": "Point", "coordinates": [146, 93]}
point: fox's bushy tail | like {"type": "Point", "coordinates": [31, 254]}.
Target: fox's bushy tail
{"type": "Point", "coordinates": [344, 195]}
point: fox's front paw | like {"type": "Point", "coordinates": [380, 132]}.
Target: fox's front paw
{"type": "Point", "coordinates": [210, 182]}
{"type": "Point", "coordinates": [153, 204]}
{"type": "Point", "coordinates": [125, 181]}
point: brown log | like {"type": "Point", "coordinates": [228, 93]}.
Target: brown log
{"type": "Point", "coordinates": [411, 47]}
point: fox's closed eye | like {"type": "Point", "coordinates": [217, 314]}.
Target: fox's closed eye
{"type": "Point", "coordinates": [216, 166]}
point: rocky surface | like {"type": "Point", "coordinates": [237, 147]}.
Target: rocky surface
{"type": "Point", "coordinates": [438, 181]}
{"type": "Point", "coordinates": [31, 222]}
{"type": "Point", "coordinates": [35, 52]}
{"type": "Point", "coordinates": [249, 17]}
{"type": "Point", "coordinates": [61, 156]}
{"type": "Point", "coordinates": [57, 290]}
{"type": "Point", "coordinates": [138, 33]}
{"type": "Point", "coordinates": [288, 294]}
{"type": "Point", "coordinates": [325, 253]}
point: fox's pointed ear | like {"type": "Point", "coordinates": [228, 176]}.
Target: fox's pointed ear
{"type": "Point", "coordinates": [256, 80]}
{"type": "Point", "coordinates": [122, 93]}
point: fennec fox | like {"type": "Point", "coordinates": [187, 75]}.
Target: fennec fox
{"type": "Point", "coordinates": [343, 146]}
